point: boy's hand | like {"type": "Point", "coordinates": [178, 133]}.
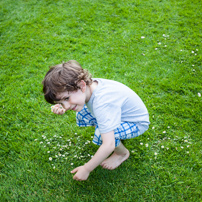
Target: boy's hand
{"type": "Point", "coordinates": [81, 173]}
{"type": "Point", "coordinates": [57, 109]}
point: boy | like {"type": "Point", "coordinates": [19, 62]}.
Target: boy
{"type": "Point", "coordinates": [114, 109]}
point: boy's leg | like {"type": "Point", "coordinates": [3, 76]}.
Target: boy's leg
{"type": "Point", "coordinates": [84, 118]}
{"type": "Point", "coordinates": [117, 158]}
{"type": "Point", "coordinates": [126, 130]}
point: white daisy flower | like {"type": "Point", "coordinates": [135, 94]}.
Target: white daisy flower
{"type": "Point", "coordinates": [50, 159]}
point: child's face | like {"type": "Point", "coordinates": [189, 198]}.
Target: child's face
{"type": "Point", "coordinates": [73, 100]}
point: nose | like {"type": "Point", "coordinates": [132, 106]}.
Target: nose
{"type": "Point", "coordinates": [66, 105]}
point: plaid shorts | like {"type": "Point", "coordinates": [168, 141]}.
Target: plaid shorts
{"type": "Point", "coordinates": [126, 130]}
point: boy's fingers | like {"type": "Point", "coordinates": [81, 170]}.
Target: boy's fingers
{"type": "Point", "coordinates": [75, 170]}
{"type": "Point", "coordinates": [57, 109]}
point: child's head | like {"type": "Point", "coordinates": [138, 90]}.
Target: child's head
{"type": "Point", "coordinates": [62, 78]}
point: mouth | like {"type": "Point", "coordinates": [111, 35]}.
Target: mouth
{"type": "Point", "coordinates": [74, 108]}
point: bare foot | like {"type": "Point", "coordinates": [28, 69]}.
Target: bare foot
{"type": "Point", "coordinates": [115, 160]}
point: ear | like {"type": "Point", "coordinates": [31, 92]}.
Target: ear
{"type": "Point", "coordinates": [82, 85]}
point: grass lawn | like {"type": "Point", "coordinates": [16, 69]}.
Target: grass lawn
{"type": "Point", "coordinates": [152, 46]}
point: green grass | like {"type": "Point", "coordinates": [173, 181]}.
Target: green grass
{"type": "Point", "coordinates": [106, 37]}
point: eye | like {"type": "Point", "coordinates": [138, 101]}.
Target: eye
{"type": "Point", "coordinates": [67, 98]}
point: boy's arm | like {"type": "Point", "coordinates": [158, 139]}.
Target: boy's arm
{"type": "Point", "coordinates": [107, 147]}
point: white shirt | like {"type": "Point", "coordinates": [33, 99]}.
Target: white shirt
{"type": "Point", "coordinates": [112, 103]}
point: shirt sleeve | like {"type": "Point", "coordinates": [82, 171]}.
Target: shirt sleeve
{"type": "Point", "coordinates": [108, 117]}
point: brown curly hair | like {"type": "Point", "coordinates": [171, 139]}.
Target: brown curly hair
{"type": "Point", "coordinates": [64, 77]}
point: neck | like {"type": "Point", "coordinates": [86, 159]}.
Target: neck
{"type": "Point", "coordinates": [90, 90]}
